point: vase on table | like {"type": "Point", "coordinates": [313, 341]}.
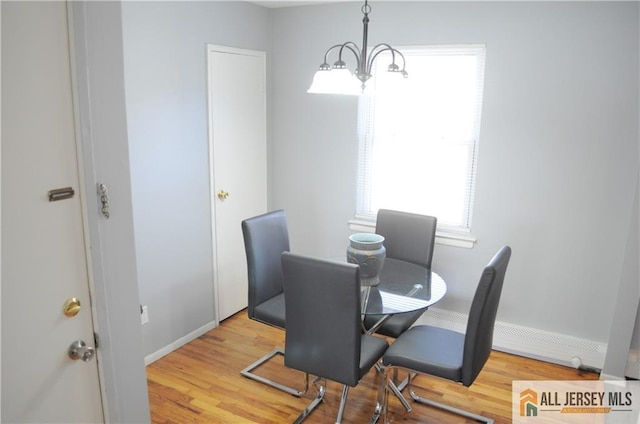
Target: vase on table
{"type": "Point", "coordinates": [368, 251]}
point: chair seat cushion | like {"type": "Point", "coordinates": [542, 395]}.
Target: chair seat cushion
{"type": "Point", "coordinates": [371, 349]}
{"type": "Point", "coordinates": [428, 350]}
{"type": "Point", "coordinates": [271, 311]}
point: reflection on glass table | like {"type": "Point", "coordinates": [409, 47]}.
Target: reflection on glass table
{"type": "Point", "coordinates": [404, 287]}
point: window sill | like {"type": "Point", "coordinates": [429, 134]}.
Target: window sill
{"type": "Point", "coordinates": [446, 236]}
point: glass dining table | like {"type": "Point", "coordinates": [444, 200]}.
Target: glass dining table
{"type": "Point", "coordinates": [404, 287]}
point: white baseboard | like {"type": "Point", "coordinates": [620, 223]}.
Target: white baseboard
{"type": "Point", "coordinates": [179, 343]}
{"type": "Point", "coordinates": [528, 342]}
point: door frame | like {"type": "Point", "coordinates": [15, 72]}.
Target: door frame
{"type": "Point", "coordinates": [97, 67]}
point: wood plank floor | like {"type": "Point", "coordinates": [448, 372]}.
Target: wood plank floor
{"type": "Point", "coordinates": [201, 383]}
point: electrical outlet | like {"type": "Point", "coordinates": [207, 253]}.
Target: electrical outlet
{"type": "Point", "coordinates": [144, 315]}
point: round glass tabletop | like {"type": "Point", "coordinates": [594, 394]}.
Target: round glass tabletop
{"type": "Point", "coordinates": [404, 287]}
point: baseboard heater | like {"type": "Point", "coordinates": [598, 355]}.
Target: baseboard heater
{"type": "Point", "coordinates": [537, 344]}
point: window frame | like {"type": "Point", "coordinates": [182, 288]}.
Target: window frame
{"type": "Point", "coordinates": [453, 235]}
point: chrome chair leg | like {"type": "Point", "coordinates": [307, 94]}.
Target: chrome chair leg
{"type": "Point", "coordinates": [394, 388]}
{"type": "Point", "coordinates": [319, 398]}
{"type": "Point", "coordinates": [404, 383]}
{"type": "Point", "coordinates": [343, 401]}
{"type": "Point", "coordinates": [247, 372]}
{"type": "Point", "coordinates": [380, 400]}
{"type": "Point", "coordinates": [398, 394]}
{"type": "Point", "coordinates": [387, 385]}
{"type": "Point", "coordinates": [383, 393]}
{"type": "Point", "coordinates": [376, 414]}
{"type": "Point", "coordinates": [451, 409]}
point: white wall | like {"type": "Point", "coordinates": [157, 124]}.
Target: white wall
{"type": "Point", "coordinates": [558, 148]}
{"type": "Point", "coordinates": [558, 154]}
{"type": "Point", "coordinates": [165, 76]}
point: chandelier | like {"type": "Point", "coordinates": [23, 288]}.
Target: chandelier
{"type": "Point", "coordinates": [337, 79]}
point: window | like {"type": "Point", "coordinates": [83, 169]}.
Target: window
{"type": "Point", "coordinates": [418, 144]}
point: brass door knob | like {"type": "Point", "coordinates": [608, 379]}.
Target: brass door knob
{"type": "Point", "coordinates": [222, 195]}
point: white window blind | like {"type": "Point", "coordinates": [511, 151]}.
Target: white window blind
{"type": "Point", "coordinates": [418, 144]}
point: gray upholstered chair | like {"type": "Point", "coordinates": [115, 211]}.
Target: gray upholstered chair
{"type": "Point", "coordinates": [324, 329]}
{"type": "Point", "coordinates": [265, 238]}
{"type": "Point", "coordinates": [448, 354]}
{"type": "Point", "coordinates": [408, 237]}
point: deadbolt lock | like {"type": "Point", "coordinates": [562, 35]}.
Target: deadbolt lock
{"type": "Point", "coordinates": [71, 307]}
{"type": "Point", "coordinates": [222, 195]}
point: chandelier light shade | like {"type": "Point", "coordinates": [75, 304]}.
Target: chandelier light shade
{"type": "Point", "coordinates": [337, 79]}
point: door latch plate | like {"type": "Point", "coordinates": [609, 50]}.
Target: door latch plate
{"type": "Point", "coordinates": [61, 194]}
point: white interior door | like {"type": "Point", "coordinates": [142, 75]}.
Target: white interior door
{"type": "Point", "coordinates": [238, 157]}
{"type": "Point", "coordinates": [43, 250]}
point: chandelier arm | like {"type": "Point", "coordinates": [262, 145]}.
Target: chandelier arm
{"type": "Point", "coordinates": [353, 47]}
{"type": "Point", "coordinates": [404, 62]}
{"type": "Point", "coordinates": [383, 47]}
{"type": "Point", "coordinates": [376, 51]}
{"type": "Point", "coordinates": [326, 55]}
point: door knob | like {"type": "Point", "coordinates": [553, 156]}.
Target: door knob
{"type": "Point", "coordinates": [222, 195]}
{"type": "Point", "coordinates": [80, 350]}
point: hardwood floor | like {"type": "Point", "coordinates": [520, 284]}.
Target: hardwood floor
{"type": "Point", "coordinates": [201, 383]}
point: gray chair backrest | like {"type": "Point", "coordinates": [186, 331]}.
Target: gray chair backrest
{"type": "Point", "coordinates": [266, 236]}
{"type": "Point", "coordinates": [322, 303]}
{"type": "Point", "coordinates": [408, 236]}
{"type": "Point", "coordinates": [482, 316]}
